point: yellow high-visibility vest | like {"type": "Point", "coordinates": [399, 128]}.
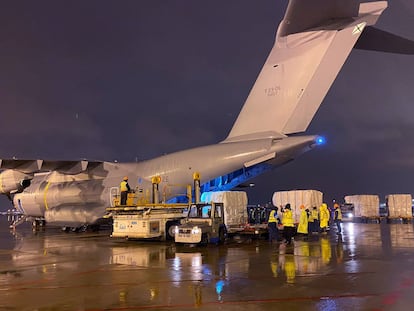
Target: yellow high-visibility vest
{"type": "Point", "coordinates": [272, 217]}
{"type": "Point", "coordinates": [288, 218]}
{"type": "Point", "coordinates": [314, 215]}
{"type": "Point", "coordinates": [123, 186]}
{"type": "Point", "coordinates": [339, 213]}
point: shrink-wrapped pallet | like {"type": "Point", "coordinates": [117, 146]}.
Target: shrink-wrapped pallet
{"type": "Point", "coordinates": [235, 205]}
{"type": "Point", "coordinates": [296, 198]}
{"type": "Point", "coordinates": [365, 205]}
{"type": "Point", "coordinates": [399, 205]}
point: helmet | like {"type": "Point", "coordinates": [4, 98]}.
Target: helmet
{"type": "Point", "coordinates": [302, 206]}
{"type": "Point", "coordinates": [125, 178]}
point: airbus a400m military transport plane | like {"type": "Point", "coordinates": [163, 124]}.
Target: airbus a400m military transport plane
{"type": "Point", "coordinates": [312, 43]}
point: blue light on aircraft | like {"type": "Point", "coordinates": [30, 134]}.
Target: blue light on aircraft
{"type": "Point", "coordinates": [320, 140]}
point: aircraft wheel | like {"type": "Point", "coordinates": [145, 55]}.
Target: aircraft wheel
{"type": "Point", "coordinates": [83, 228]}
{"type": "Point", "coordinates": [205, 238]}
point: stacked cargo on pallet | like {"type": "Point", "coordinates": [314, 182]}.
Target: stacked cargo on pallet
{"type": "Point", "coordinates": [365, 205]}
{"type": "Point", "coordinates": [235, 206]}
{"type": "Point", "coordinates": [296, 198]}
{"type": "Point", "coordinates": [399, 205]}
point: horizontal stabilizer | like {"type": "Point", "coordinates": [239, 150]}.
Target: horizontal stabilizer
{"type": "Point", "coordinates": [374, 39]}
{"type": "Point", "coordinates": [260, 159]}
{"type": "Point", "coordinates": [302, 15]}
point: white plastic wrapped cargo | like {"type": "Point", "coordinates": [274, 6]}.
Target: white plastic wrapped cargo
{"type": "Point", "coordinates": [296, 198]}
{"type": "Point", "coordinates": [235, 205]}
{"type": "Point", "coordinates": [365, 205]}
{"type": "Point", "coordinates": [399, 205]}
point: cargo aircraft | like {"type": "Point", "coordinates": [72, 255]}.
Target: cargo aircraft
{"type": "Point", "coordinates": [312, 43]}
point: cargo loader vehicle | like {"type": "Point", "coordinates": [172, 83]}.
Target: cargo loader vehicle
{"type": "Point", "coordinates": [224, 216]}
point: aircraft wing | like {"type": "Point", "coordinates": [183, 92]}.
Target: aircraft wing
{"type": "Point", "coordinates": [35, 166]}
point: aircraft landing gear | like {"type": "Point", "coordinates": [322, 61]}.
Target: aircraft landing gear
{"type": "Point", "coordinates": [38, 224]}
{"type": "Point", "coordinates": [82, 228]}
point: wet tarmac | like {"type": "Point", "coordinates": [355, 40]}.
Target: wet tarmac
{"type": "Point", "coordinates": [369, 267]}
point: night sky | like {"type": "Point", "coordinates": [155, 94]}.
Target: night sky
{"type": "Point", "coordinates": [131, 80]}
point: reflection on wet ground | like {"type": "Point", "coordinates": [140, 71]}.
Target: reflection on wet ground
{"type": "Point", "coordinates": [369, 267]}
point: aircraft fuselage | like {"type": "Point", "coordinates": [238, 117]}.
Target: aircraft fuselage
{"type": "Point", "coordinates": [75, 199]}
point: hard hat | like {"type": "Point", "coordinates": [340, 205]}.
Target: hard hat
{"type": "Point", "coordinates": [302, 206]}
{"type": "Point", "coordinates": [125, 178]}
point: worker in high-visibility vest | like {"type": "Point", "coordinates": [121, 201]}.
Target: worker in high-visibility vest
{"type": "Point", "coordinates": [272, 223]}
{"type": "Point", "coordinates": [124, 188]}
{"type": "Point", "coordinates": [314, 220]}
{"type": "Point", "coordinates": [323, 217]}
{"type": "Point", "coordinates": [303, 221]}
{"type": "Point", "coordinates": [288, 224]}
{"type": "Point", "coordinates": [338, 218]}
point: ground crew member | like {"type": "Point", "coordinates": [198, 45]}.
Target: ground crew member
{"type": "Point", "coordinates": [338, 218]}
{"type": "Point", "coordinates": [272, 223]}
{"type": "Point", "coordinates": [288, 224]}
{"type": "Point", "coordinates": [323, 217]}
{"type": "Point", "coordinates": [124, 188]}
{"type": "Point", "coordinates": [303, 221]}
{"type": "Point", "coordinates": [314, 220]}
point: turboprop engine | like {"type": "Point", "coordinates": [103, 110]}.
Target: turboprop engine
{"type": "Point", "coordinates": [12, 181]}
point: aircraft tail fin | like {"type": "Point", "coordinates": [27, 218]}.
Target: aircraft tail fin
{"type": "Point", "coordinates": [310, 48]}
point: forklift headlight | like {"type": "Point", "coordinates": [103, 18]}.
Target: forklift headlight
{"type": "Point", "coordinates": [195, 230]}
{"type": "Point", "coordinates": [175, 229]}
